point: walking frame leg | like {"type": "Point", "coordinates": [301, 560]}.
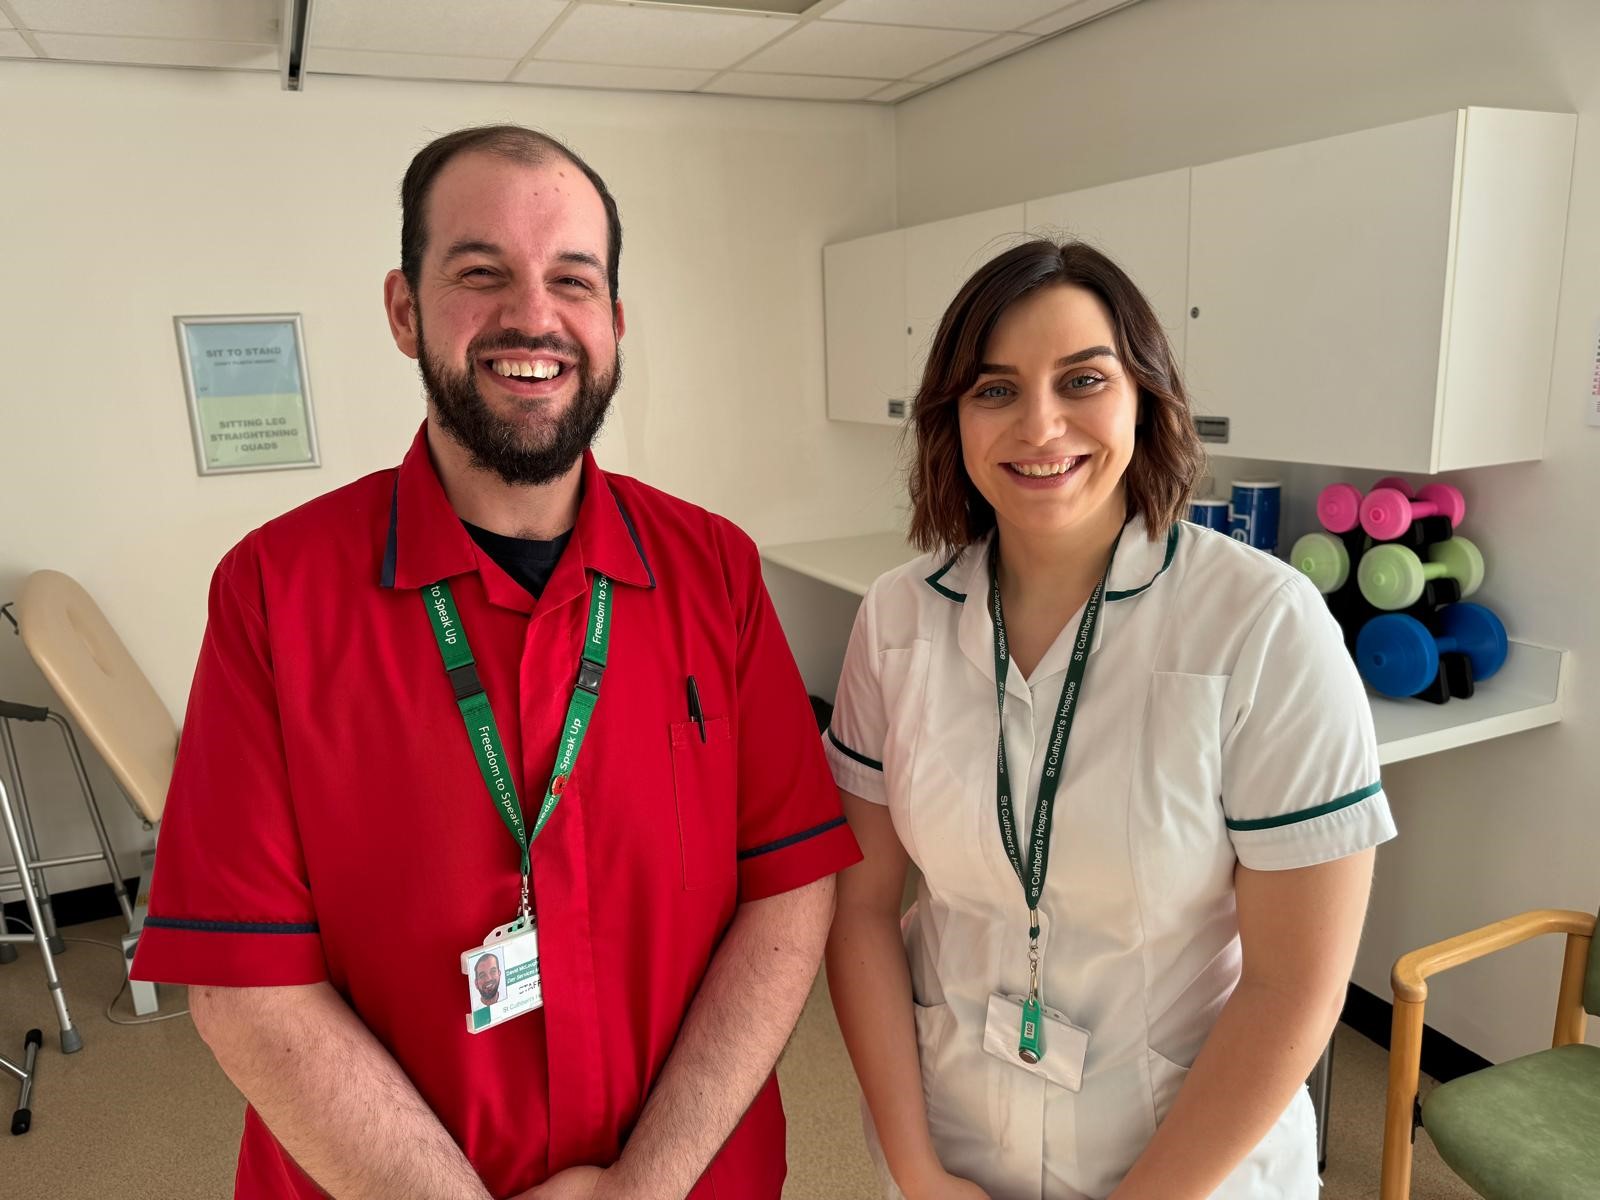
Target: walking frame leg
{"type": "Point", "coordinates": [71, 1040]}
{"type": "Point", "coordinates": [24, 820]}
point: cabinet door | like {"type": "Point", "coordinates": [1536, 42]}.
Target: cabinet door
{"type": "Point", "coordinates": [1511, 230]}
{"type": "Point", "coordinates": [1319, 274]}
{"type": "Point", "coordinates": [864, 303]}
{"type": "Point", "coordinates": [940, 257]}
{"type": "Point", "coordinates": [1143, 224]}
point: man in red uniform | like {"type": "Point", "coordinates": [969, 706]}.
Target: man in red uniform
{"type": "Point", "coordinates": [498, 699]}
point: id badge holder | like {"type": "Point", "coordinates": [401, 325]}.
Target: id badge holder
{"type": "Point", "coordinates": [1064, 1045]}
{"type": "Point", "coordinates": [503, 975]}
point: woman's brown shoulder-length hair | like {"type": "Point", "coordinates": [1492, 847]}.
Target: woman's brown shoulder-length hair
{"type": "Point", "coordinates": [948, 512]}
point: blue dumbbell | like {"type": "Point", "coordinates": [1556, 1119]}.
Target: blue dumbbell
{"type": "Point", "coordinates": [1399, 657]}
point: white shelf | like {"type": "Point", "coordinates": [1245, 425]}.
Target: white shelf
{"type": "Point", "coordinates": [1525, 694]}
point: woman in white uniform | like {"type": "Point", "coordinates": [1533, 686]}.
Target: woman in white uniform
{"type": "Point", "coordinates": [1143, 859]}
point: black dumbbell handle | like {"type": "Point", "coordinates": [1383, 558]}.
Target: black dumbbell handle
{"type": "Point", "coordinates": [1425, 532]}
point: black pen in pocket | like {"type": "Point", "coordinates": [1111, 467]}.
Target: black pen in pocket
{"type": "Point", "coordinates": [695, 713]}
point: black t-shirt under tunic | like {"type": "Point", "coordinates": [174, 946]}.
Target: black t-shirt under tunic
{"type": "Point", "coordinates": [530, 563]}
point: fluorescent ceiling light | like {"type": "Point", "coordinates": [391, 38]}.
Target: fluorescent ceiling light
{"type": "Point", "coordinates": [788, 7]}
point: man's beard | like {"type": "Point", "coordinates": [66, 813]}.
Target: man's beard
{"type": "Point", "coordinates": [518, 451]}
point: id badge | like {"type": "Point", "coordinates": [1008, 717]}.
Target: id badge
{"type": "Point", "coordinates": [1064, 1045]}
{"type": "Point", "coordinates": [502, 975]}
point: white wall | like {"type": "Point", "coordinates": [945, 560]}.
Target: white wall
{"type": "Point", "coordinates": [132, 195]}
{"type": "Point", "coordinates": [1491, 829]}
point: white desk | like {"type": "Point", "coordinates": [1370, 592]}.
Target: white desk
{"type": "Point", "coordinates": [1525, 694]}
{"type": "Point", "coordinates": [850, 563]}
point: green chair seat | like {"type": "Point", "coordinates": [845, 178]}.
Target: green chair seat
{"type": "Point", "coordinates": [1528, 1129]}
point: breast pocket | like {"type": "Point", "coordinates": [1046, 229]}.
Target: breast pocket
{"type": "Point", "coordinates": [1181, 847]}
{"type": "Point", "coordinates": [705, 784]}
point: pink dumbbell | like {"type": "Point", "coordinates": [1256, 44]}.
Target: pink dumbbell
{"type": "Point", "coordinates": [1387, 513]}
{"type": "Point", "coordinates": [1339, 505]}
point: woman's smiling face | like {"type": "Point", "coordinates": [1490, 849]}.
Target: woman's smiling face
{"type": "Point", "coordinates": [1047, 431]}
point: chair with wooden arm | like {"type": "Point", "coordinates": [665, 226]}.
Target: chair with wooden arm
{"type": "Point", "coordinates": [1525, 1129]}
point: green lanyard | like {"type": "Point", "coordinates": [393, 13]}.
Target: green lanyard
{"type": "Point", "coordinates": [479, 717]}
{"type": "Point", "coordinates": [1030, 1048]}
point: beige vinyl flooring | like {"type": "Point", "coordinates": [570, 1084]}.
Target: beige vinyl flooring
{"type": "Point", "coordinates": [143, 1113]}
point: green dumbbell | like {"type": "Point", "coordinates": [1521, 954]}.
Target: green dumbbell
{"type": "Point", "coordinates": [1393, 577]}
{"type": "Point", "coordinates": [1323, 559]}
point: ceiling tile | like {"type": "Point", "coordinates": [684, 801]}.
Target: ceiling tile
{"type": "Point", "coordinates": [472, 28]}
{"type": "Point", "coordinates": [654, 79]}
{"type": "Point", "coordinates": [159, 52]}
{"type": "Point", "coordinates": [795, 87]}
{"type": "Point", "coordinates": [998, 16]}
{"type": "Point", "coordinates": [326, 60]}
{"type": "Point", "coordinates": [975, 58]}
{"type": "Point", "coordinates": [210, 20]}
{"type": "Point", "coordinates": [652, 37]}
{"type": "Point", "coordinates": [1075, 14]}
{"type": "Point", "coordinates": [12, 46]}
{"type": "Point", "coordinates": [896, 91]}
{"type": "Point", "coordinates": [880, 51]}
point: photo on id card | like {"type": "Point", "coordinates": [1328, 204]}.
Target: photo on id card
{"type": "Point", "coordinates": [502, 976]}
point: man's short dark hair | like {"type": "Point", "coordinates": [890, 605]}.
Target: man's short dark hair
{"type": "Point", "coordinates": [514, 142]}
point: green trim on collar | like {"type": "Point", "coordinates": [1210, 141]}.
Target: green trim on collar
{"type": "Point", "coordinates": [1308, 814]}
{"type": "Point", "coordinates": [860, 758]}
{"type": "Point", "coordinates": [1172, 550]}
{"type": "Point", "coordinates": [933, 582]}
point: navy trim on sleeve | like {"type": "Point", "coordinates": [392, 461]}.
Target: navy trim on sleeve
{"type": "Point", "coordinates": [229, 926]}
{"type": "Point", "coordinates": [860, 758]}
{"type": "Point", "coordinates": [784, 843]}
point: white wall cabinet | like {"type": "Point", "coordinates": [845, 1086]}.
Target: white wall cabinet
{"type": "Point", "coordinates": [940, 257]}
{"type": "Point", "coordinates": [884, 296]}
{"type": "Point", "coordinates": [864, 302]}
{"type": "Point", "coordinates": [1141, 223]}
{"type": "Point", "coordinates": [1383, 299]}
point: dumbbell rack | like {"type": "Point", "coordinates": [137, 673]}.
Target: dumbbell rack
{"type": "Point", "coordinates": [1426, 526]}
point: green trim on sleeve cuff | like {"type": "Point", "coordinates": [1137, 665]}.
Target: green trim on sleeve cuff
{"type": "Point", "coordinates": [1305, 814]}
{"type": "Point", "coordinates": [860, 758]}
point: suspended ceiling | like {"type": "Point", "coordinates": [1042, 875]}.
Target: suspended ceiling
{"type": "Point", "coordinates": [880, 51]}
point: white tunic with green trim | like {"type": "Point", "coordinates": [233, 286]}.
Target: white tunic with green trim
{"type": "Point", "coordinates": [1222, 722]}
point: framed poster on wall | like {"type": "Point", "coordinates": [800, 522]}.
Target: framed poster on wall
{"type": "Point", "coordinates": [249, 393]}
